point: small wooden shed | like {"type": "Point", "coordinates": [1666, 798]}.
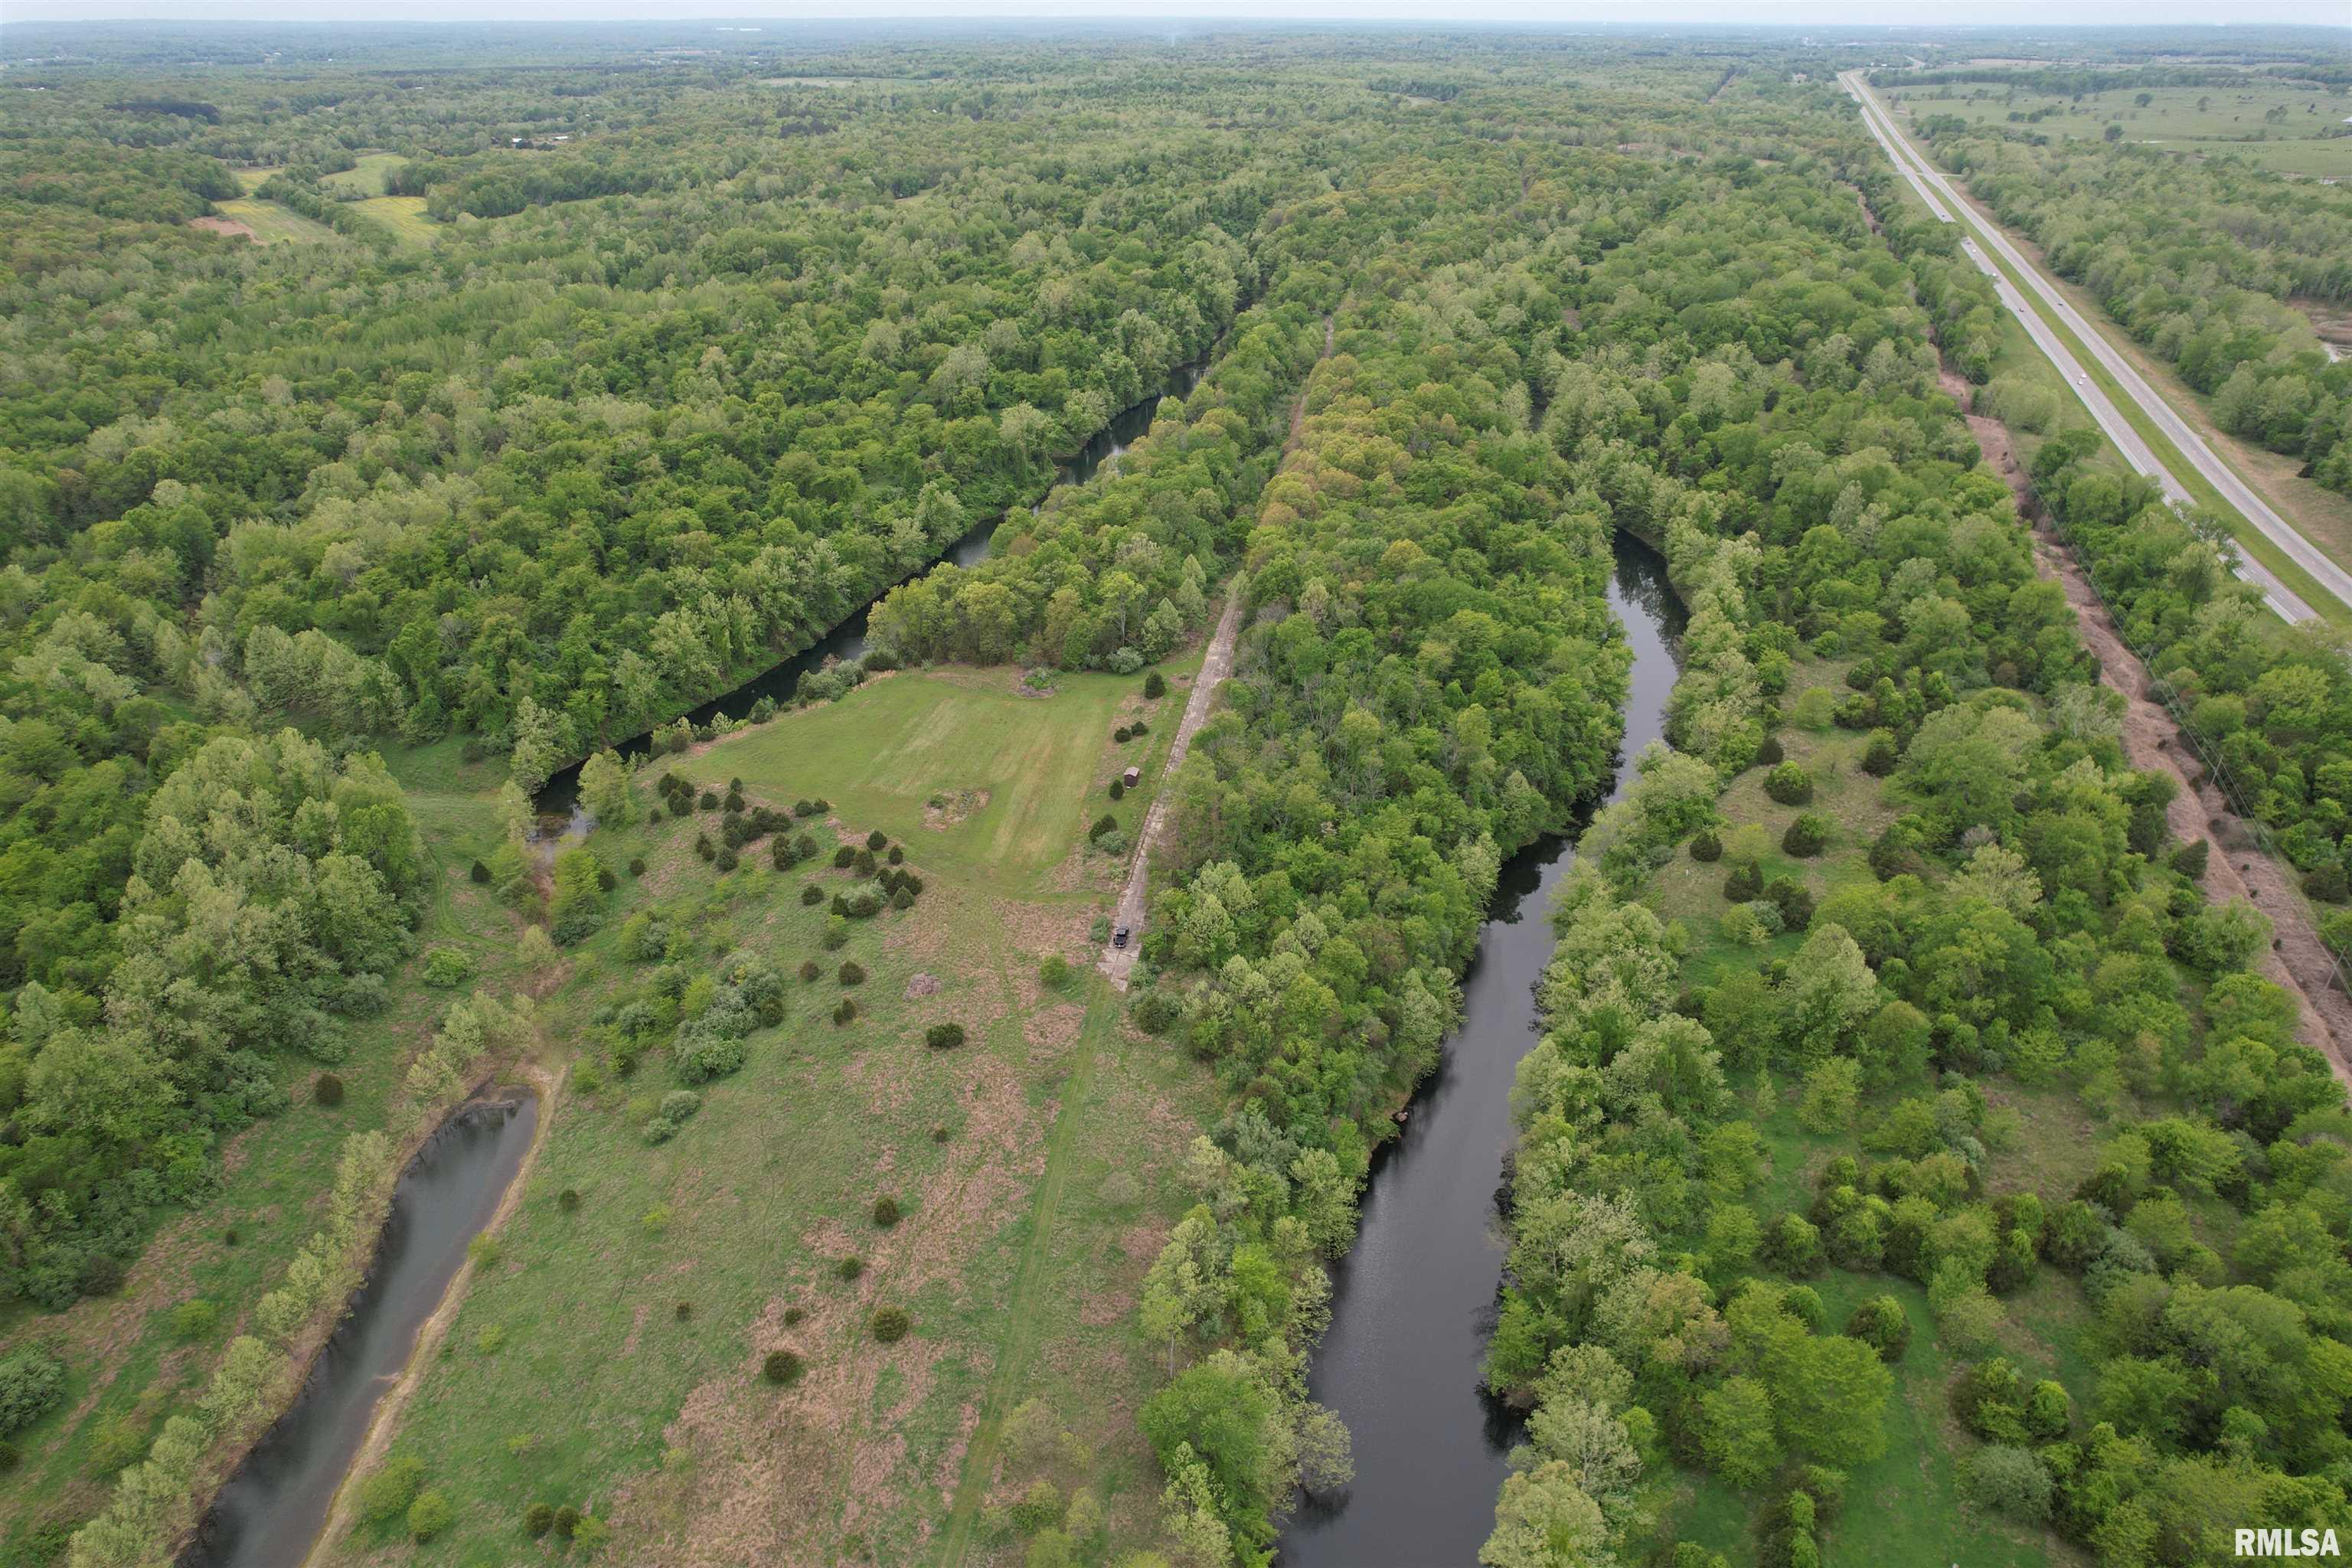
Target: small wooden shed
{"type": "Point", "coordinates": [1132, 777]}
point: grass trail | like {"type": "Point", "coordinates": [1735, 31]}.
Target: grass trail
{"type": "Point", "coordinates": [1023, 1319]}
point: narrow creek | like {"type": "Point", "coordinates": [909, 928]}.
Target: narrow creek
{"type": "Point", "coordinates": [1414, 1302]}
{"type": "Point", "coordinates": [558, 798]}
{"type": "Point", "coordinates": [272, 1509]}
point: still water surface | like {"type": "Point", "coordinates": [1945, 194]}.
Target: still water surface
{"type": "Point", "coordinates": [559, 797]}
{"type": "Point", "coordinates": [272, 1508]}
{"type": "Point", "coordinates": [1414, 1302]}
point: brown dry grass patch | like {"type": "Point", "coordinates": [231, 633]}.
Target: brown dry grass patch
{"type": "Point", "coordinates": [954, 806]}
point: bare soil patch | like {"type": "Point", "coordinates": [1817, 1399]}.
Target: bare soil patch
{"type": "Point", "coordinates": [1051, 1030]}
{"type": "Point", "coordinates": [751, 1487]}
{"type": "Point", "coordinates": [2332, 322]}
{"type": "Point", "coordinates": [944, 810]}
{"type": "Point", "coordinates": [2297, 959]}
{"type": "Point", "coordinates": [1992, 436]}
{"type": "Point", "coordinates": [2152, 741]}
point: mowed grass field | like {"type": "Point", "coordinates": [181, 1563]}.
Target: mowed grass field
{"type": "Point", "coordinates": [367, 177]}
{"type": "Point", "coordinates": [404, 216]}
{"type": "Point", "coordinates": [1019, 778]}
{"type": "Point", "coordinates": [612, 1356]}
{"type": "Point", "coordinates": [2196, 119]}
{"type": "Point", "coordinates": [275, 224]}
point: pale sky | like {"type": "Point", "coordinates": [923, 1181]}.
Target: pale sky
{"type": "Point", "coordinates": [1843, 13]}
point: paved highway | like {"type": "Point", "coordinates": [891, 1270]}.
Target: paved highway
{"type": "Point", "coordinates": [1946, 204]}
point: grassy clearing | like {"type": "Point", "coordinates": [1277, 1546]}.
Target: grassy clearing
{"type": "Point", "coordinates": [876, 81]}
{"type": "Point", "coordinates": [1692, 892]}
{"type": "Point", "coordinates": [275, 224]}
{"type": "Point", "coordinates": [1033, 1168]}
{"type": "Point", "coordinates": [1905, 1507]}
{"type": "Point", "coordinates": [1018, 779]}
{"type": "Point", "coordinates": [569, 1376]}
{"type": "Point", "coordinates": [366, 177]}
{"type": "Point", "coordinates": [129, 1365]}
{"type": "Point", "coordinates": [2210, 121]}
{"type": "Point", "coordinates": [404, 216]}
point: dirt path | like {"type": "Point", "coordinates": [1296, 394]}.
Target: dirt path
{"type": "Point", "coordinates": [2237, 867]}
{"type": "Point", "coordinates": [386, 1417]}
{"type": "Point", "coordinates": [1119, 962]}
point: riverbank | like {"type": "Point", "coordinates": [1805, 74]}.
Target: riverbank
{"type": "Point", "coordinates": [1413, 1302]}
{"type": "Point", "coordinates": [547, 1088]}
{"type": "Point", "coordinates": [776, 683]}
{"type": "Point", "coordinates": [276, 1503]}
{"type": "Point", "coordinates": [614, 1358]}
{"type": "Point", "coordinates": [146, 1364]}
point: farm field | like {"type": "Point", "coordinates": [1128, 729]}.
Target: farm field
{"type": "Point", "coordinates": [844, 81]}
{"type": "Point", "coordinates": [2279, 128]}
{"type": "Point", "coordinates": [274, 224]}
{"type": "Point", "coordinates": [270, 223]}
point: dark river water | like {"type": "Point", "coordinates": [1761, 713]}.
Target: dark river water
{"type": "Point", "coordinates": [1415, 1301]}
{"type": "Point", "coordinates": [846, 641]}
{"type": "Point", "coordinates": [272, 1508]}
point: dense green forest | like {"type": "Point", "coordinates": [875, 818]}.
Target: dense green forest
{"type": "Point", "coordinates": [390, 419]}
{"type": "Point", "coordinates": [2021, 926]}
{"type": "Point", "coordinates": [545, 484]}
